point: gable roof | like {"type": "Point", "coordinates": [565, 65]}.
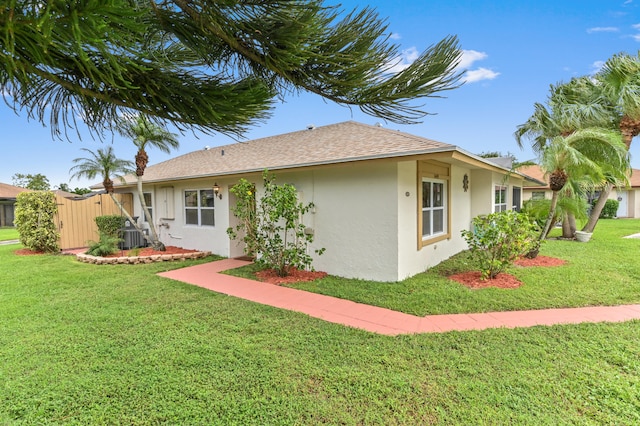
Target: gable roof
{"type": "Point", "coordinates": [537, 173]}
{"type": "Point", "coordinates": [335, 143]}
{"type": "Point", "coordinates": [9, 191]}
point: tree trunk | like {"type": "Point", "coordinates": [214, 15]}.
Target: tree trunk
{"type": "Point", "coordinates": [572, 224]}
{"type": "Point", "coordinates": [550, 216]}
{"type": "Point", "coordinates": [568, 225]}
{"type": "Point", "coordinates": [597, 209]}
{"type": "Point", "coordinates": [156, 244]}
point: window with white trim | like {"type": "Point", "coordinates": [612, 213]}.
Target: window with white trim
{"type": "Point", "coordinates": [148, 200]}
{"type": "Point", "coordinates": [199, 207]}
{"type": "Point", "coordinates": [500, 198]}
{"type": "Point", "coordinates": [537, 195]}
{"type": "Point", "coordinates": [434, 207]}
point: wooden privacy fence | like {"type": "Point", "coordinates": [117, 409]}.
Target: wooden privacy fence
{"type": "Point", "coordinates": [76, 218]}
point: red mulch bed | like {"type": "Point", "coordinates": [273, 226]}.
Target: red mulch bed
{"type": "Point", "coordinates": [472, 279]}
{"type": "Point", "coordinates": [27, 252]}
{"type": "Point", "coordinates": [270, 276]}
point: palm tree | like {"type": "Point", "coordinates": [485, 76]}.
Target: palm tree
{"type": "Point", "coordinates": [618, 84]}
{"type": "Point", "coordinates": [104, 163]}
{"type": "Point", "coordinates": [144, 134]}
{"type": "Point", "coordinates": [563, 115]}
{"type": "Point", "coordinates": [590, 153]}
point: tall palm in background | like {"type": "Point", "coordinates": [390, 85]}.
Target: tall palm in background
{"type": "Point", "coordinates": [562, 116]}
{"type": "Point", "coordinates": [146, 134]}
{"type": "Point", "coordinates": [104, 163]}
{"type": "Point", "coordinates": [586, 154]}
{"type": "Point", "coordinates": [618, 87]}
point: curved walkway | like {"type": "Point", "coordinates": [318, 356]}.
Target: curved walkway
{"type": "Point", "coordinates": [381, 320]}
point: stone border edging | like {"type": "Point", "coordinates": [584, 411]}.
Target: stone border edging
{"type": "Point", "coordinates": [135, 260]}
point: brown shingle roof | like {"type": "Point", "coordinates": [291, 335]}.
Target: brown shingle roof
{"type": "Point", "coordinates": [10, 191]}
{"type": "Point", "coordinates": [336, 143]}
{"type": "Point", "coordinates": [537, 173]}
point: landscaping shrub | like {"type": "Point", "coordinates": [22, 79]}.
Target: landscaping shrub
{"type": "Point", "coordinates": [498, 239]}
{"type": "Point", "coordinates": [34, 219]}
{"type": "Point", "coordinates": [610, 209]}
{"type": "Point", "coordinates": [106, 245]}
{"type": "Point", "coordinates": [273, 229]}
{"type": "Point", "coordinates": [110, 225]}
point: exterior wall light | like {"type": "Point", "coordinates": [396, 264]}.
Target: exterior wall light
{"type": "Point", "coordinates": [216, 190]}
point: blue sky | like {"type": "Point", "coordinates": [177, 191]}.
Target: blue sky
{"type": "Point", "coordinates": [513, 51]}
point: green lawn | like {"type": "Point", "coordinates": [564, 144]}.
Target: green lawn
{"type": "Point", "coordinates": [87, 344]}
{"type": "Point", "coordinates": [8, 234]}
{"type": "Point", "coordinates": [605, 271]}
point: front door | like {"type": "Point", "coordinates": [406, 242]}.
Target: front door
{"type": "Point", "coordinates": [623, 206]}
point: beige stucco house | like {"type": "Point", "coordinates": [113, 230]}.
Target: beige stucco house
{"type": "Point", "coordinates": [388, 204]}
{"type": "Point", "coordinates": [629, 197]}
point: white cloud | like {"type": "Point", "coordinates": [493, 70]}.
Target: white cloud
{"type": "Point", "coordinates": [408, 56]}
{"type": "Point", "coordinates": [395, 36]}
{"type": "Point", "coordinates": [469, 57]}
{"type": "Point", "coordinates": [636, 26]}
{"type": "Point", "coordinates": [603, 30]}
{"type": "Point", "coordinates": [479, 74]}
{"type": "Point", "coordinates": [628, 2]}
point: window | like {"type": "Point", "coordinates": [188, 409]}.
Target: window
{"type": "Point", "coordinates": [148, 201]}
{"type": "Point", "coordinates": [500, 198]}
{"type": "Point", "coordinates": [434, 214]}
{"type": "Point", "coordinates": [537, 195]}
{"type": "Point", "coordinates": [198, 207]}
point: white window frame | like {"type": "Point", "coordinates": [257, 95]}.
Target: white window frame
{"type": "Point", "coordinates": [499, 204]}
{"type": "Point", "coordinates": [538, 195]}
{"type": "Point", "coordinates": [429, 233]}
{"type": "Point", "coordinates": [199, 207]}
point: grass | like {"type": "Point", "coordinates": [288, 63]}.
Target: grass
{"type": "Point", "coordinates": [604, 271]}
{"type": "Point", "coordinates": [8, 233]}
{"type": "Point", "coordinates": [88, 344]}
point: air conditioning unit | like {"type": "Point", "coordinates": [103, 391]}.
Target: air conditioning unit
{"type": "Point", "coordinates": [132, 238]}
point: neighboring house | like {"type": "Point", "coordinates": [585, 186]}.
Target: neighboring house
{"type": "Point", "coordinates": [388, 205]}
{"type": "Point", "coordinates": [629, 198]}
{"type": "Point", "coordinates": [8, 194]}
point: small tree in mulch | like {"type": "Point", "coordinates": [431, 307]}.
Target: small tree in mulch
{"type": "Point", "coordinates": [35, 221]}
{"type": "Point", "coordinates": [498, 239]}
{"type": "Point", "coordinates": [272, 226]}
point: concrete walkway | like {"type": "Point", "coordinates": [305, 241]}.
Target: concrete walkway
{"type": "Point", "coordinates": [7, 242]}
{"type": "Point", "coordinates": [381, 320]}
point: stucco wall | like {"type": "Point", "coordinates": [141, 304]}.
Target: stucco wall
{"type": "Point", "coordinates": [365, 216]}
{"type": "Point", "coordinates": [481, 187]}
{"type": "Point", "coordinates": [354, 219]}
{"type": "Point", "coordinates": [411, 259]}
{"type": "Point", "coordinates": [174, 232]}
